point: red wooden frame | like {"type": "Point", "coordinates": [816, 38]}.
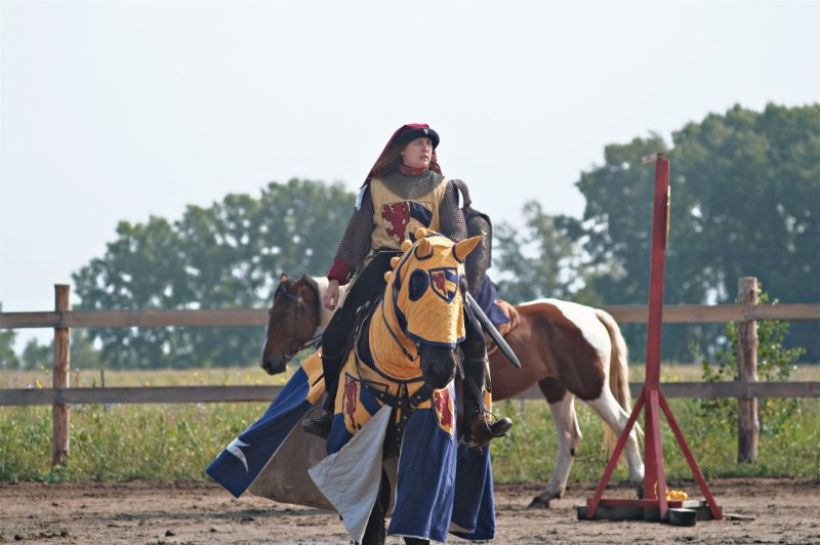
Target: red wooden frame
{"type": "Point", "coordinates": [651, 398]}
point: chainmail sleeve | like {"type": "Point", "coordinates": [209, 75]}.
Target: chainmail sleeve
{"type": "Point", "coordinates": [355, 244]}
{"type": "Point", "coordinates": [451, 218]}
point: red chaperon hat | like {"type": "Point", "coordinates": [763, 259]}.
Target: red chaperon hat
{"type": "Point", "coordinates": [402, 136]}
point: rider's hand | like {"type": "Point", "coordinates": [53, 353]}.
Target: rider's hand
{"type": "Point", "coordinates": [331, 296]}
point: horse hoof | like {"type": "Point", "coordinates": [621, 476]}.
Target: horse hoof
{"type": "Point", "coordinates": [539, 503]}
{"type": "Point", "coordinates": [639, 491]}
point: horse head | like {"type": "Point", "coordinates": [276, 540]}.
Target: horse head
{"type": "Point", "coordinates": [292, 321]}
{"type": "Point", "coordinates": [424, 294]}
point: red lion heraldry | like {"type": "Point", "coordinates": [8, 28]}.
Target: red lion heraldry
{"type": "Point", "coordinates": [398, 215]}
{"type": "Point", "coordinates": [351, 400]}
{"type": "Point", "coordinates": [441, 401]}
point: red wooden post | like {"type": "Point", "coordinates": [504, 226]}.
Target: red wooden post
{"type": "Point", "coordinates": [648, 400]}
{"type": "Point", "coordinates": [60, 414]}
{"type": "Point", "coordinates": [651, 398]}
{"type": "Point", "coordinates": [654, 476]}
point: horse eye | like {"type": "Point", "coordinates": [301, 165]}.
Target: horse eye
{"type": "Point", "coordinates": [419, 282]}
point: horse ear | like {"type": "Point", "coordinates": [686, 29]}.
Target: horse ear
{"type": "Point", "coordinates": [298, 284]}
{"type": "Point", "coordinates": [283, 278]}
{"type": "Point", "coordinates": [463, 248]}
{"type": "Point", "coordinates": [424, 249]}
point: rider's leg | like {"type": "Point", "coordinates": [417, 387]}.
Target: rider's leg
{"type": "Point", "coordinates": [336, 340]}
{"type": "Point", "coordinates": [478, 426]}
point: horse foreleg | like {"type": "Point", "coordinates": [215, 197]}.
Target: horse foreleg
{"type": "Point", "coordinates": [616, 417]}
{"type": "Point", "coordinates": [569, 437]}
{"type": "Point", "coordinates": [375, 533]}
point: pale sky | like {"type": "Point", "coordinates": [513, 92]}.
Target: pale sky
{"type": "Point", "coordinates": [116, 111]}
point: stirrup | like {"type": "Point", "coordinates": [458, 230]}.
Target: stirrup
{"type": "Point", "coordinates": [482, 431]}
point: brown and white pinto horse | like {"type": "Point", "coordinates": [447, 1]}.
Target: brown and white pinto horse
{"type": "Point", "coordinates": [568, 350]}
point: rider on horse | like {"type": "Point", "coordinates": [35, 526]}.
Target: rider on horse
{"type": "Point", "coordinates": [404, 190]}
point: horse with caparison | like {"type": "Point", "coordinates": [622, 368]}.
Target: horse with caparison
{"type": "Point", "coordinates": [569, 350]}
{"type": "Point", "coordinates": [393, 444]}
{"type": "Point", "coordinates": [393, 448]}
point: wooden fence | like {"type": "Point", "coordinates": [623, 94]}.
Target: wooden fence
{"type": "Point", "coordinates": [747, 389]}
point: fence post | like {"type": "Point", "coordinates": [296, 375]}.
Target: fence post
{"type": "Point", "coordinates": [747, 422]}
{"type": "Point", "coordinates": [61, 363]}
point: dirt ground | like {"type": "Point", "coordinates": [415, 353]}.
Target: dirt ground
{"type": "Point", "coordinates": [784, 512]}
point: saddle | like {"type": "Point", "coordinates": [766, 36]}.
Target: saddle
{"type": "Point", "coordinates": [513, 320]}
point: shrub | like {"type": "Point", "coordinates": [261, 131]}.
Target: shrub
{"type": "Point", "coordinates": [774, 362]}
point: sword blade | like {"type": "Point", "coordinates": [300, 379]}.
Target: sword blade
{"type": "Point", "coordinates": [490, 328]}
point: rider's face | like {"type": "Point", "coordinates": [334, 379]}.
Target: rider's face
{"type": "Point", "coordinates": [418, 153]}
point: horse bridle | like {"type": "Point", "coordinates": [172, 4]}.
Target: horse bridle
{"type": "Point", "coordinates": [402, 321]}
{"type": "Point", "coordinates": [282, 290]}
{"type": "Point", "coordinates": [397, 313]}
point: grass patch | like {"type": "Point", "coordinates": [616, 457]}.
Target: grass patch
{"type": "Point", "coordinates": [177, 442]}
{"type": "Point", "coordinates": [528, 454]}
{"type": "Point", "coordinates": [122, 442]}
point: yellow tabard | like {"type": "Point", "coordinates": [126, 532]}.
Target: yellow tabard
{"type": "Point", "coordinates": [395, 217]}
{"type": "Point", "coordinates": [312, 367]}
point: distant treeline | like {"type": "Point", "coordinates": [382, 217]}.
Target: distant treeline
{"type": "Point", "coordinates": [745, 202]}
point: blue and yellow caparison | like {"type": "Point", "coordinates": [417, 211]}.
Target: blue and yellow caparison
{"type": "Point", "coordinates": [421, 305]}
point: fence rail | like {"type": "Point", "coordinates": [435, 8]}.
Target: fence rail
{"type": "Point", "coordinates": [244, 317]}
{"type": "Point", "coordinates": [62, 319]}
{"type": "Point", "coordinates": [236, 394]}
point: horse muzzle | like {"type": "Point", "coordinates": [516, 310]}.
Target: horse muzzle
{"type": "Point", "coordinates": [275, 364]}
{"type": "Point", "coordinates": [438, 365]}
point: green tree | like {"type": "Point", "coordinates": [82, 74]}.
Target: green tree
{"type": "Point", "coordinates": [8, 359]}
{"type": "Point", "coordinates": [35, 355]}
{"type": "Point", "coordinates": [142, 269]}
{"type": "Point", "coordinates": [84, 355]}
{"type": "Point", "coordinates": [227, 255]}
{"type": "Point", "coordinates": [745, 189]}
{"type": "Point", "coordinates": [540, 260]}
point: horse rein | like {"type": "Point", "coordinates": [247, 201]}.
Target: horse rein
{"type": "Point", "coordinates": [402, 401]}
{"type": "Point", "coordinates": [396, 286]}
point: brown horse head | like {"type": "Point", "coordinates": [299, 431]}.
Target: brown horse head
{"type": "Point", "coordinates": [292, 321]}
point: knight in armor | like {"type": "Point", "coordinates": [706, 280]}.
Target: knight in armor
{"type": "Point", "coordinates": [404, 190]}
